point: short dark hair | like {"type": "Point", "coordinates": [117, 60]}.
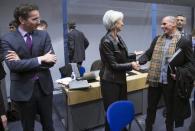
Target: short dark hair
{"type": "Point", "coordinates": [23, 11]}
{"type": "Point", "coordinates": [180, 15]}
{"type": "Point", "coordinates": [43, 22]}
{"type": "Point", "coordinates": [13, 23]}
{"type": "Point", "coordinates": [71, 25]}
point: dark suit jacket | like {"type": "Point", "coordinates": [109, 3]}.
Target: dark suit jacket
{"type": "Point", "coordinates": [114, 57]}
{"type": "Point", "coordinates": [2, 107]}
{"type": "Point", "coordinates": [23, 71]}
{"type": "Point", "coordinates": [2, 75]}
{"type": "Point", "coordinates": [2, 71]}
{"type": "Point", "coordinates": [77, 43]}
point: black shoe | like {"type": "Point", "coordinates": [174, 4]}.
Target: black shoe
{"type": "Point", "coordinates": [125, 129]}
{"type": "Point", "coordinates": [148, 128]}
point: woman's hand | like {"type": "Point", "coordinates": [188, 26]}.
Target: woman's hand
{"type": "Point", "coordinates": [135, 65]}
{"type": "Point", "coordinates": [173, 76]}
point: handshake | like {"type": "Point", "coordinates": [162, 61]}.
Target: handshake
{"type": "Point", "coordinates": [135, 65]}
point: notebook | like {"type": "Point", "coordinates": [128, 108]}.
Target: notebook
{"type": "Point", "coordinates": [175, 60]}
{"type": "Point", "coordinates": [78, 84]}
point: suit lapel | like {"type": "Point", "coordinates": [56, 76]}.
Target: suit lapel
{"type": "Point", "coordinates": [122, 44]}
{"type": "Point", "coordinates": [36, 39]}
{"type": "Point", "coordinates": [178, 45]}
{"type": "Point", "coordinates": [115, 43]}
{"type": "Point", "coordinates": [118, 44]}
{"type": "Point", "coordinates": [22, 43]}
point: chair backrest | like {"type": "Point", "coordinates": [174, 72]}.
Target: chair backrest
{"type": "Point", "coordinates": [67, 70]}
{"type": "Point", "coordinates": [120, 114]}
{"type": "Point", "coordinates": [96, 65]}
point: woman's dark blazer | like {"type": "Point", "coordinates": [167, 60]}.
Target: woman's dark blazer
{"type": "Point", "coordinates": [114, 56]}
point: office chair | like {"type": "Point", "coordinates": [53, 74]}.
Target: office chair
{"type": "Point", "coordinates": [96, 65]}
{"type": "Point", "coordinates": [120, 114]}
{"type": "Point", "coordinates": [81, 70]}
{"type": "Point", "coordinates": [67, 70]}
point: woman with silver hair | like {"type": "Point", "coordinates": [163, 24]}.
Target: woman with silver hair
{"type": "Point", "coordinates": [114, 57]}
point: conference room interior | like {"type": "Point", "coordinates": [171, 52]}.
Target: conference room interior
{"type": "Point", "coordinates": [142, 22]}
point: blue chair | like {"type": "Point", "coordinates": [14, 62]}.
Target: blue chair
{"type": "Point", "coordinates": [120, 114]}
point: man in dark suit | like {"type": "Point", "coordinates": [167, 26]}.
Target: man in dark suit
{"type": "Point", "coordinates": [181, 22]}
{"type": "Point", "coordinates": [77, 44]}
{"type": "Point", "coordinates": [12, 26]}
{"type": "Point", "coordinates": [29, 55]}
{"type": "Point", "coordinates": [162, 81]}
{"type": "Point", "coordinates": [43, 25]}
{"type": "Point", "coordinates": [3, 118]}
{"type": "Point", "coordinates": [192, 124]}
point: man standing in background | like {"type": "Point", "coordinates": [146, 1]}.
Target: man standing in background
{"type": "Point", "coordinates": [77, 44]}
{"type": "Point", "coordinates": [43, 25]}
{"type": "Point", "coordinates": [12, 26]}
{"type": "Point", "coordinates": [181, 22]}
{"type": "Point", "coordinates": [29, 55]}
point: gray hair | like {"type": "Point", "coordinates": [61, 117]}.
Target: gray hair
{"type": "Point", "coordinates": [110, 17]}
{"type": "Point", "coordinates": [172, 19]}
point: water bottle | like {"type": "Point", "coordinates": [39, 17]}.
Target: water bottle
{"type": "Point", "coordinates": [73, 76]}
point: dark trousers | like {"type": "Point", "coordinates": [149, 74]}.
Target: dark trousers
{"type": "Point", "coordinates": [79, 63]}
{"type": "Point", "coordinates": [192, 124]}
{"type": "Point", "coordinates": [38, 104]}
{"type": "Point", "coordinates": [1, 126]}
{"type": "Point", "coordinates": [1, 97]}
{"type": "Point", "coordinates": [154, 95]}
{"type": "Point", "coordinates": [112, 92]}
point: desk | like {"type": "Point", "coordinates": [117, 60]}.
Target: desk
{"type": "Point", "coordinates": [85, 108]}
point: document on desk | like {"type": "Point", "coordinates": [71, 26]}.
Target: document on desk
{"type": "Point", "coordinates": [64, 81]}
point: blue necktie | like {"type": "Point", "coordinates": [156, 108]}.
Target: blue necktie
{"type": "Point", "coordinates": [28, 41]}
